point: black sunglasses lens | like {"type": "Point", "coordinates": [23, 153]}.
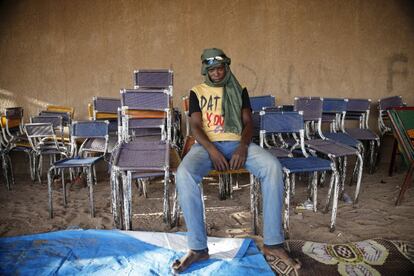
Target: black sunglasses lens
{"type": "Point", "coordinates": [208, 61]}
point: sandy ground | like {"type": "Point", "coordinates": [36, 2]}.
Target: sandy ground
{"type": "Point", "coordinates": [24, 210]}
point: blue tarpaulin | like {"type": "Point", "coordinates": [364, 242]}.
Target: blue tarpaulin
{"type": "Point", "coordinates": [111, 252]}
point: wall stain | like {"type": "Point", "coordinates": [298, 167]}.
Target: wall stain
{"type": "Point", "coordinates": [292, 81]}
{"type": "Point", "coordinates": [392, 61]}
{"type": "Point", "coordinates": [253, 73]}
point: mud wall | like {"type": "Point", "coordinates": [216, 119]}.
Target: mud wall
{"type": "Point", "coordinates": [66, 52]}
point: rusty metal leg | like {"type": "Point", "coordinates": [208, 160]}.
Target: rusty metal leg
{"type": "Point", "coordinates": [310, 184]}
{"type": "Point", "coordinates": [166, 209]}
{"type": "Point", "coordinates": [322, 179]}
{"type": "Point", "coordinates": [95, 179]}
{"type": "Point", "coordinates": [371, 156]}
{"type": "Point", "coordinates": [127, 200]}
{"type": "Point", "coordinates": [90, 185]}
{"type": "Point", "coordinates": [144, 183]}
{"type": "Point", "coordinates": [40, 168]}
{"type": "Point", "coordinates": [63, 186]}
{"type": "Point", "coordinates": [315, 190]}
{"type": "Point", "coordinates": [335, 202]}
{"type": "Point", "coordinates": [6, 171]}
{"type": "Point", "coordinates": [343, 178]}
{"type": "Point", "coordinates": [222, 187]}
{"type": "Point", "coordinates": [406, 184]}
{"type": "Point", "coordinates": [328, 198]}
{"type": "Point", "coordinates": [393, 156]}
{"type": "Point", "coordinates": [253, 204]}
{"type": "Point", "coordinates": [230, 185]}
{"type": "Point", "coordinates": [287, 205]}
{"type": "Point", "coordinates": [175, 220]}
{"type": "Point", "coordinates": [200, 185]}
{"type": "Point", "coordinates": [360, 164]}
{"type": "Point", "coordinates": [32, 174]}
{"type": "Point", "coordinates": [114, 197]}
{"type": "Point", "coordinates": [49, 187]}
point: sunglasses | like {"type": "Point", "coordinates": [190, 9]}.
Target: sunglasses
{"type": "Point", "coordinates": [211, 60]}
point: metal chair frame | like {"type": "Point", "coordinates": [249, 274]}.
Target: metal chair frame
{"type": "Point", "coordinates": [58, 127]}
{"type": "Point", "coordinates": [337, 108]}
{"type": "Point", "coordinates": [339, 151]}
{"type": "Point", "coordinates": [146, 79]}
{"type": "Point", "coordinates": [147, 107]}
{"type": "Point", "coordinates": [139, 169]}
{"type": "Point", "coordinates": [44, 141]}
{"type": "Point", "coordinates": [275, 122]}
{"type": "Point", "coordinates": [6, 164]}
{"type": "Point", "coordinates": [360, 109]}
{"type": "Point", "coordinates": [104, 108]}
{"type": "Point", "coordinates": [134, 109]}
{"type": "Point", "coordinates": [383, 105]}
{"type": "Point", "coordinates": [17, 141]}
{"type": "Point", "coordinates": [80, 130]}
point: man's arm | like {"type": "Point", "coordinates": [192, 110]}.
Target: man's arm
{"type": "Point", "coordinates": [219, 161]}
{"type": "Point", "coordinates": [240, 154]}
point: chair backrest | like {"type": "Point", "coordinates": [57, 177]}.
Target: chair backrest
{"type": "Point", "coordinates": [334, 105]}
{"type": "Point", "coordinates": [281, 122]}
{"type": "Point", "coordinates": [150, 99]}
{"type": "Point", "coordinates": [333, 112]}
{"type": "Point", "coordinates": [358, 105]}
{"type": "Point", "coordinates": [140, 123]}
{"type": "Point", "coordinates": [42, 136]}
{"type": "Point", "coordinates": [56, 121]}
{"type": "Point", "coordinates": [89, 129]}
{"type": "Point", "coordinates": [12, 122]}
{"type": "Point", "coordinates": [383, 105]}
{"type": "Point", "coordinates": [105, 108]}
{"type": "Point", "coordinates": [13, 113]}
{"type": "Point", "coordinates": [257, 103]}
{"type": "Point", "coordinates": [148, 111]}
{"type": "Point", "coordinates": [256, 123]}
{"type": "Point", "coordinates": [13, 117]}
{"type": "Point", "coordinates": [39, 129]}
{"type": "Point", "coordinates": [390, 102]}
{"type": "Point", "coordinates": [285, 108]}
{"type": "Point", "coordinates": [66, 116]}
{"type": "Point", "coordinates": [311, 107]}
{"type": "Point", "coordinates": [158, 78]}
{"type": "Point", "coordinates": [358, 109]}
{"type": "Point", "coordinates": [62, 109]}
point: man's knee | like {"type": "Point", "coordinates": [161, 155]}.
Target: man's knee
{"type": "Point", "coordinates": [272, 166]}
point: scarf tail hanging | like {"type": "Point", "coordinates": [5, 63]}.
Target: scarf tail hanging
{"type": "Point", "coordinates": [232, 101]}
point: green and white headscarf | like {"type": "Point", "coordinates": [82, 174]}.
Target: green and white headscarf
{"type": "Point", "coordinates": [232, 90]}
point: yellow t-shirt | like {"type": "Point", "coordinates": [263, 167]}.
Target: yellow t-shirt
{"type": "Point", "coordinates": [210, 101]}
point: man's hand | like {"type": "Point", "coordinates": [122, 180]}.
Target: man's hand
{"type": "Point", "coordinates": [219, 161]}
{"type": "Point", "coordinates": [239, 157]}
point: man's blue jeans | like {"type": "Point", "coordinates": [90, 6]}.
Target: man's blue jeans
{"type": "Point", "coordinates": [196, 164]}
